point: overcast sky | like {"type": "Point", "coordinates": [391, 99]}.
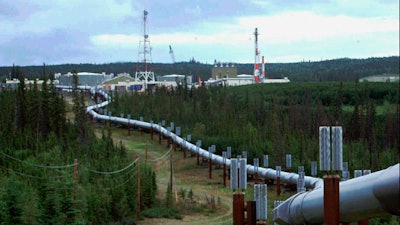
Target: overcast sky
{"type": "Point", "coordinates": [106, 31]}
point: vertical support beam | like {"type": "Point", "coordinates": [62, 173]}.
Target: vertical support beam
{"type": "Point", "coordinates": [159, 136]}
{"type": "Point", "coordinates": [224, 174]}
{"type": "Point", "coordinates": [278, 186]}
{"type": "Point", "coordinates": [251, 213]}
{"type": "Point", "coordinates": [75, 177]}
{"type": "Point", "coordinates": [209, 168]}
{"type": "Point", "coordinates": [331, 200]}
{"type": "Point", "coordinates": [129, 124]}
{"type": "Point", "coordinates": [168, 141]}
{"type": "Point", "coordinates": [151, 132]}
{"type": "Point", "coordinates": [198, 158]}
{"type": "Point", "coordinates": [147, 151]}
{"type": "Point", "coordinates": [138, 188]}
{"type": "Point", "coordinates": [170, 171]}
{"type": "Point", "coordinates": [238, 209]}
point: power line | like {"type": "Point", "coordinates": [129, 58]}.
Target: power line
{"type": "Point", "coordinates": [114, 172]}
{"type": "Point", "coordinates": [161, 157]}
{"type": "Point", "coordinates": [31, 176]}
{"type": "Point", "coordinates": [37, 165]}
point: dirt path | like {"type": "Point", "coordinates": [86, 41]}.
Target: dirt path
{"type": "Point", "coordinates": [187, 175]}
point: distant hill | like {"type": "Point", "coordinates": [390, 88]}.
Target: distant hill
{"type": "Point", "coordinates": [344, 69]}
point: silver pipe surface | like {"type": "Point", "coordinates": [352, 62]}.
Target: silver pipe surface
{"type": "Point", "coordinates": [267, 173]}
{"type": "Point", "coordinates": [365, 197]}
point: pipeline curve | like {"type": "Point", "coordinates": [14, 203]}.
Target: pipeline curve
{"type": "Point", "coordinates": [365, 197]}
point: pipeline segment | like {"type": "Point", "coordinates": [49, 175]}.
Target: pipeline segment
{"type": "Point", "coordinates": [365, 197]}
{"type": "Point", "coordinates": [267, 173]}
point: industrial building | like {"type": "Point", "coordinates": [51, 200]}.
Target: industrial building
{"type": "Point", "coordinates": [227, 70]}
{"type": "Point", "coordinates": [84, 78]}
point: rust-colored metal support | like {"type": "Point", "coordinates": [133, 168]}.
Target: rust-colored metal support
{"type": "Point", "coordinates": [331, 200]}
{"type": "Point", "coordinates": [168, 141]}
{"type": "Point", "coordinates": [238, 208]}
{"type": "Point", "coordinates": [198, 158]}
{"type": "Point", "coordinates": [184, 151]}
{"type": "Point", "coordinates": [251, 213]}
{"type": "Point", "coordinates": [224, 174]}
{"type": "Point", "coordinates": [209, 169]}
{"type": "Point", "coordinates": [363, 222]}
{"type": "Point", "coordinates": [159, 137]}
{"type": "Point", "coordinates": [138, 188]}
{"type": "Point", "coordinates": [75, 177]}
{"type": "Point", "coordinates": [278, 186]}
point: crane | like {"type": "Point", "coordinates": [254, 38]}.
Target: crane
{"type": "Point", "coordinates": [171, 52]}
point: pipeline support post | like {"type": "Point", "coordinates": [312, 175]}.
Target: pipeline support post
{"type": "Point", "coordinates": [224, 174]}
{"type": "Point", "coordinates": [278, 186]}
{"type": "Point", "coordinates": [238, 208]}
{"type": "Point", "coordinates": [159, 137]}
{"type": "Point", "coordinates": [210, 168]}
{"type": "Point", "coordinates": [331, 200]}
{"type": "Point", "coordinates": [251, 213]}
{"type": "Point", "coordinates": [363, 222]}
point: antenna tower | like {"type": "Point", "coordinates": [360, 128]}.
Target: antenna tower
{"type": "Point", "coordinates": [143, 73]}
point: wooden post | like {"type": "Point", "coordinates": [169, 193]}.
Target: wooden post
{"type": "Point", "coordinates": [129, 129]}
{"type": "Point", "coordinates": [138, 188]}
{"type": "Point", "coordinates": [331, 200]}
{"type": "Point", "coordinates": [209, 169]}
{"type": "Point", "coordinates": [251, 213]}
{"type": "Point", "coordinates": [75, 177]}
{"type": "Point", "coordinates": [238, 209]}
{"type": "Point", "coordinates": [198, 158]}
{"type": "Point", "coordinates": [151, 133]}
{"type": "Point", "coordinates": [184, 151]}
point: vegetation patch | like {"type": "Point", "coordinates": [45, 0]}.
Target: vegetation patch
{"type": "Point", "coordinates": [162, 212]}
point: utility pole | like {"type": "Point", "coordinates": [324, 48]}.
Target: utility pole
{"type": "Point", "coordinates": [138, 187]}
{"type": "Point", "coordinates": [75, 177]}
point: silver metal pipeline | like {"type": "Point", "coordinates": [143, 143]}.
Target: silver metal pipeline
{"type": "Point", "coordinates": [267, 173]}
{"type": "Point", "coordinates": [365, 197]}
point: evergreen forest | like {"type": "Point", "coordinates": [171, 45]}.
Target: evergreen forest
{"type": "Point", "coordinates": [40, 181]}
{"type": "Point", "coordinates": [345, 69]}
{"type": "Point", "coordinates": [280, 119]}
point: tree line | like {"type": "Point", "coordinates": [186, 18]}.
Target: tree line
{"type": "Point", "coordinates": [280, 119]}
{"type": "Point", "coordinates": [39, 181]}
{"type": "Point", "coordinates": [344, 69]}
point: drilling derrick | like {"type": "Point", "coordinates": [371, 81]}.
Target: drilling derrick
{"type": "Point", "coordinates": [143, 72]}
